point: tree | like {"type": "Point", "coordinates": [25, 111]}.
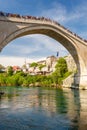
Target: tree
{"type": "Point", "coordinates": [61, 69]}
{"type": "Point", "coordinates": [34, 64]}
{"type": "Point", "coordinates": [10, 70]}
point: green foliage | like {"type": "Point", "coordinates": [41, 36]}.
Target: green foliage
{"type": "Point", "coordinates": [41, 66]}
{"type": "Point", "coordinates": [34, 64]}
{"type": "Point", "coordinates": [25, 83]}
{"type": "Point", "coordinates": [66, 74]}
{"type": "Point", "coordinates": [46, 81]}
{"type": "Point", "coordinates": [61, 69]}
{"type": "Point", "coordinates": [10, 70]}
{"type": "Point", "coordinates": [2, 80]}
{"type": "Point", "coordinates": [24, 79]}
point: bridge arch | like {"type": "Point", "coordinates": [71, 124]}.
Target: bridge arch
{"type": "Point", "coordinates": [49, 31]}
{"type": "Point", "coordinates": [70, 42]}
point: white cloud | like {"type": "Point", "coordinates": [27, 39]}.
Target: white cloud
{"type": "Point", "coordinates": [61, 14]}
{"type": "Point", "coordinates": [24, 49]}
{"type": "Point", "coordinates": [49, 43]}
{"type": "Point", "coordinates": [57, 12]}
{"type": "Point", "coordinates": [12, 60]}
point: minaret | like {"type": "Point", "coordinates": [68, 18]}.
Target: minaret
{"type": "Point", "coordinates": [25, 62]}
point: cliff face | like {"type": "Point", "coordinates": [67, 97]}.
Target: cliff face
{"type": "Point", "coordinates": [70, 63]}
{"type": "Point", "coordinates": [68, 82]}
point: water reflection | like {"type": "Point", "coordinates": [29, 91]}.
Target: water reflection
{"type": "Point", "coordinates": [42, 108]}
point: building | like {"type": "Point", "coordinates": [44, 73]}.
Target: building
{"type": "Point", "coordinates": [16, 68]}
{"type": "Point", "coordinates": [49, 65]}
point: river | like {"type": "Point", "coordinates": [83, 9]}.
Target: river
{"type": "Point", "coordinates": [43, 109]}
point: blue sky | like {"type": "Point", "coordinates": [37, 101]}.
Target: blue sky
{"type": "Point", "coordinates": [70, 13]}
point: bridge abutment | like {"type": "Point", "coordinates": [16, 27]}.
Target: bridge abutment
{"type": "Point", "coordinates": [79, 81]}
{"type": "Point", "coordinates": [83, 81]}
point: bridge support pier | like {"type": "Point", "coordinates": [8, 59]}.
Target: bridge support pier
{"type": "Point", "coordinates": [80, 81]}
{"type": "Point", "coordinates": [83, 82]}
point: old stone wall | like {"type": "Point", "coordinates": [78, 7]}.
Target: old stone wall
{"type": "Point", "coordinates": [70, 63]}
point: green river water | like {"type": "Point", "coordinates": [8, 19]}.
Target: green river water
{"type": "Point", "coordinates": [39, 108]}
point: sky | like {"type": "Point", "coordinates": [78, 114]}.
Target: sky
{"type": "Point", "coordinates": [72, 14]}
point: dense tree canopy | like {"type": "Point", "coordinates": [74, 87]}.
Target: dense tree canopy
{"type": "Point", "coordinates": [61, 67]}
{"type": "Point", "coordinates": [60, 70]}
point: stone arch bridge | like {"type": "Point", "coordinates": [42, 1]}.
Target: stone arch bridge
{"type": "Point", "coordinates": [14, 26]}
